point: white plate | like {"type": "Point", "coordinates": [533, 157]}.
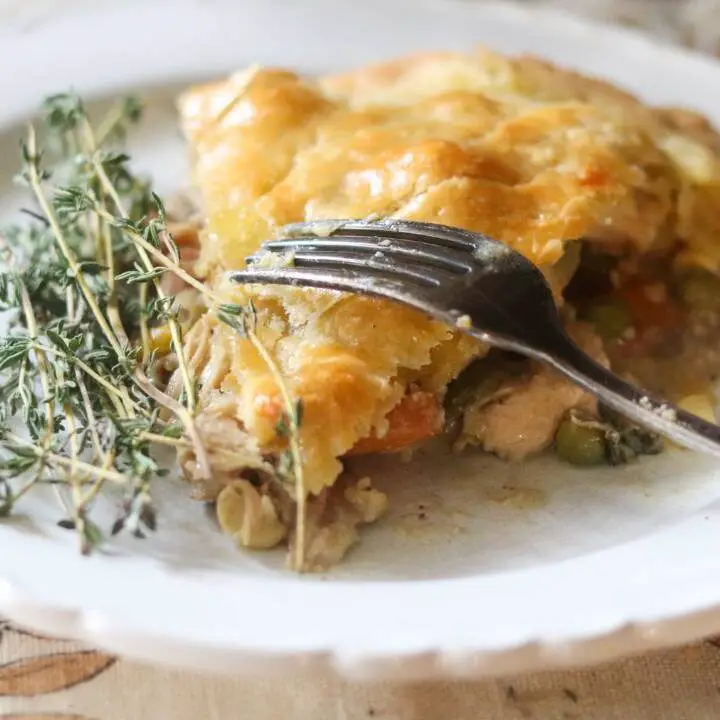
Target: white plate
{"type": "Point", "coordinates": [578, 567]}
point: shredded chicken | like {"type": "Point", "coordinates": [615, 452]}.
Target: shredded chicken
{"type": "Point", "coordinates": [233, 451]}
{"type": "Point", "coordinates": [524, 420]}
{"type": "Point", "coordinates": [334, 518]}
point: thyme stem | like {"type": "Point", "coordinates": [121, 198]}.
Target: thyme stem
{"type": "Point", "coordinates": [295, 450]}
{"type": "Point", "coordinates": [42, 362]}
{"type": "Point", "coordinates": [66, 462]}
{"type": "Point", "coordinates": [89, 413]}
{"type": "Point", "coordinates": [49, 213]}
{"type": "Point", "coordinates": [175, 333]}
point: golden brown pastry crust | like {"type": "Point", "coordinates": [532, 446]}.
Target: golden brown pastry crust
{"type": "Point", "coordinates": [688, 144]}
{"type": "Point", "coordinates": [518, 149]}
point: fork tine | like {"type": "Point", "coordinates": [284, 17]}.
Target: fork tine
{"type": "Point", "coordinates": [414, 251]}
{"type": "Point", "coordinates": [371, 265]}
{"type": "Point", "coordinates": [334, 262]}
{"type": "Point", "coordinates": [448, 237]}
{"type": "Point", "coordinates": [347, 280]}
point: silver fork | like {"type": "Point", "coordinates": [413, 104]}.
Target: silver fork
{"type": "Point", "coordinates": [466, 280]}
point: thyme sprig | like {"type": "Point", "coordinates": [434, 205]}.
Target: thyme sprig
{"type": "Point", "coordinates": [75, 412]}
{"type": "Point", "coordinates": [82, 284]}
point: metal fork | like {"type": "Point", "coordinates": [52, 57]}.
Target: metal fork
{"type": "Point", "coordinates": [466, 280]}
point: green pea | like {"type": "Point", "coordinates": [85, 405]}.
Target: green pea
{"type": "Point", "coordinates": [610, 318]}
{"type": "Point", "coordinates": [699, 289]}
{"type": "Point", "coordinates": [580, 444]}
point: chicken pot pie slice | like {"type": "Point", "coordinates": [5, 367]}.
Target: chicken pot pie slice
{"type": "Point", "coordinates": [532, 155]}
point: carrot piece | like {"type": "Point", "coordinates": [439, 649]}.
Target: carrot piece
{"type": "Point", "coordinates": [419, 416]}
{"type": "Point", "coordinates": [650, 307]}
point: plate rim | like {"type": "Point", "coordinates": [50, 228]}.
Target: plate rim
{"type": "Point", "coordinates": [695, 612]}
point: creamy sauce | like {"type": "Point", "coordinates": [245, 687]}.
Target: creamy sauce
{"type": "Point", "coordinates": [521, 498]}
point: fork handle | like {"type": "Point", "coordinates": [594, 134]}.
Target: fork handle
{"type": "Point", "coordinates": [646, 409]}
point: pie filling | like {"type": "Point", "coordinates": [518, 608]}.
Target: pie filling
{"type": "Point", "coordinates": [615, 201]}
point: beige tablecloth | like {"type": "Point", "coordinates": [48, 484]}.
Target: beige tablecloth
{"type": "Point", "coordinates": [43, 679]}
